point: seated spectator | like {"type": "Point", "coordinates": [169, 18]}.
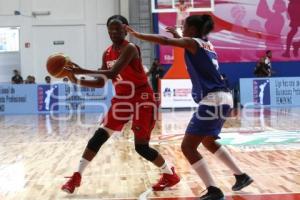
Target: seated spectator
{"type": "Point", "coordinates": [17, 78]}
{"type": "Point", "coordinates": [48, 79]}
{"type": "Point", "coordinates": [30, 80]}
{"type": "Point", "coordinates": [263, 67]}
{"type": "Point", "coordinates": [65, 80]}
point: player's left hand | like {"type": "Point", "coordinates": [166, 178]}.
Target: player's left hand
{"type": "Point", "coordinates": [75, 65]}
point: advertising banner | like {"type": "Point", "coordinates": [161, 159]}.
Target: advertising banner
{"type": "Point", "coordinates": [57, 98]}
{"type": "Point", "coordinates": [244, 29]}
{"type": "Point", "coordinates": [176, 93]}
{"type": "Point", "coordinates": [270, 91]}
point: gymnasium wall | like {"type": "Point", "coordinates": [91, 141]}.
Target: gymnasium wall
{"type": "Point", "coordinates": [8, 62]}
{"type": "Point", "coordinates": [78, 26]}
{"type": "Point", "coordinates": [244, 30]}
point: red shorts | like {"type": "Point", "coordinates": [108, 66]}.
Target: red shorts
{"type": "Point", "coordinates": [141, 109]}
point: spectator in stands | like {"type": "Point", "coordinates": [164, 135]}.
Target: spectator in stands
{"type": "Point", "coordinates": [264, 67]}
{"type": "Point", "coordinates": [65, 80]}
{"type": "Point", "coordinates": [30, 80]}
{"type": "Point", "coordinates": [17, 78]}
{"type": "Point", "coordinates": [156, 72]}
{"type": "Point", "coordinates": [48, 79]}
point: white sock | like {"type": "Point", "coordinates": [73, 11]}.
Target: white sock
{"type": "Point", "coordinates": [166, 169]}
{"type": "Point", "coordinates": [201, 168]}
{"type": "Point", "coordinates": [223, 154]}
{"type": "Point", "coordinates": [82, 165]}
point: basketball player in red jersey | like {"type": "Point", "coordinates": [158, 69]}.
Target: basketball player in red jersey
{"type": "Point", "coordinates": [134, 101]}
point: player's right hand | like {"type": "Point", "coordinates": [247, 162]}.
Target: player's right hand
{"type": "Point", "coordinates": [173, 31]}
{"type": "Point", "coordinates": [73, 68]}
{"type": "Point", "coordinates": [131, 31]}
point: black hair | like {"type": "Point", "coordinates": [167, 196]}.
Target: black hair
{"type": "Point", "coordinates": [203, 23]}
{"type": "Point", "coordinates": [268, 51]}
{"type": "Point", "coordinates": [119, 18]}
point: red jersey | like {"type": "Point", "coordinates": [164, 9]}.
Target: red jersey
{"type": "Point", "coordinates": [133, 73]}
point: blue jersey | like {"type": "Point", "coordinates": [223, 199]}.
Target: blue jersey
{"type": "Point", "coordinates": [203, 69]}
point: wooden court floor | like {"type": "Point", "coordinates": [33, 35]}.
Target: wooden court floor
{"type": "Point", "coordinates": [37, 151]}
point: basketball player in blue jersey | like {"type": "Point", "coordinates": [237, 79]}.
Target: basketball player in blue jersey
{"type": "Point", "coordinates": [212, 95]}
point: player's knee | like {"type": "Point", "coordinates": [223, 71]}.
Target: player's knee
{"type": "Point", "coordinates": [210, 144]}
{"type": "Point", "coordinates": [99, 138]}
{"type": "Point", "coordinates": [146, 152]}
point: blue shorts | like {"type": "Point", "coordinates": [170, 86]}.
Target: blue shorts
{"type": "Point", "coordinates": [208, 120]}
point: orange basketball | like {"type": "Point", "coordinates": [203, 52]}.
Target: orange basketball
{"type": "Point", "coordinates": [56, 64]}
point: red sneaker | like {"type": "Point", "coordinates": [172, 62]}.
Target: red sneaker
{"type": "Point", "coordinates": [72, 183]}
{"type": "Point", "coordinates": [166, 180]}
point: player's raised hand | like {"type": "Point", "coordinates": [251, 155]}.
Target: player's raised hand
{"type": "Point", "coordinates": [173, 31]}
{"type": "Point", "coordinates": [131, 31]}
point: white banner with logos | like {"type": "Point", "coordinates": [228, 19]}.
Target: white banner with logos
{"type": "Point", "coordinates": [270, 92]}
{"type": "Point", "coordinates": [176, 93]}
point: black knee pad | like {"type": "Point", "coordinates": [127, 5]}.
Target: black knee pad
{"type": "Point", "coordinates": [99, 138]}
{"type": "Point", "coordinates": [146, 152]}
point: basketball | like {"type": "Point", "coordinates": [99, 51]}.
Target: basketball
{"type": "Point", "coordinates": [56, 64]}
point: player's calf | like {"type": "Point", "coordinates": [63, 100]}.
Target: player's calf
{"type": "Point", "coordinates": [93, 146]}
{"type": "Point", "coordinates": [146, 152]}
{"type": "Point", "coordinates": [169, 178]}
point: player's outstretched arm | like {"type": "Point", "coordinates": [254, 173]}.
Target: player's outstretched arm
{"type": "Point", "coordinates": [127, 54]}
{"type": "Point", "coordinates": [97, 83]}
{"type": "Point", "coordinates": [76, 69]}
{"type": "Point", "coordinates": [184, 42]}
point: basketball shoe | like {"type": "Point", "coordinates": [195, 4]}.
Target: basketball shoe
{"type": "Point", "coordinates": [213, 193]}
{"type": "Point", "coordinates": [242, 181]}
{"type": "Point", "coordinates": [166, 180]}
{"type": "Point", "coordinates": [72, 183]}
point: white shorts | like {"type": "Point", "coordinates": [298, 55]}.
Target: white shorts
{"type": "Point", "coordinates": [217, 98]}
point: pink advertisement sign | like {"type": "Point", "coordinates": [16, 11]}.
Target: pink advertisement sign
{"type": "Point", "coordinates": [245, 29]}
